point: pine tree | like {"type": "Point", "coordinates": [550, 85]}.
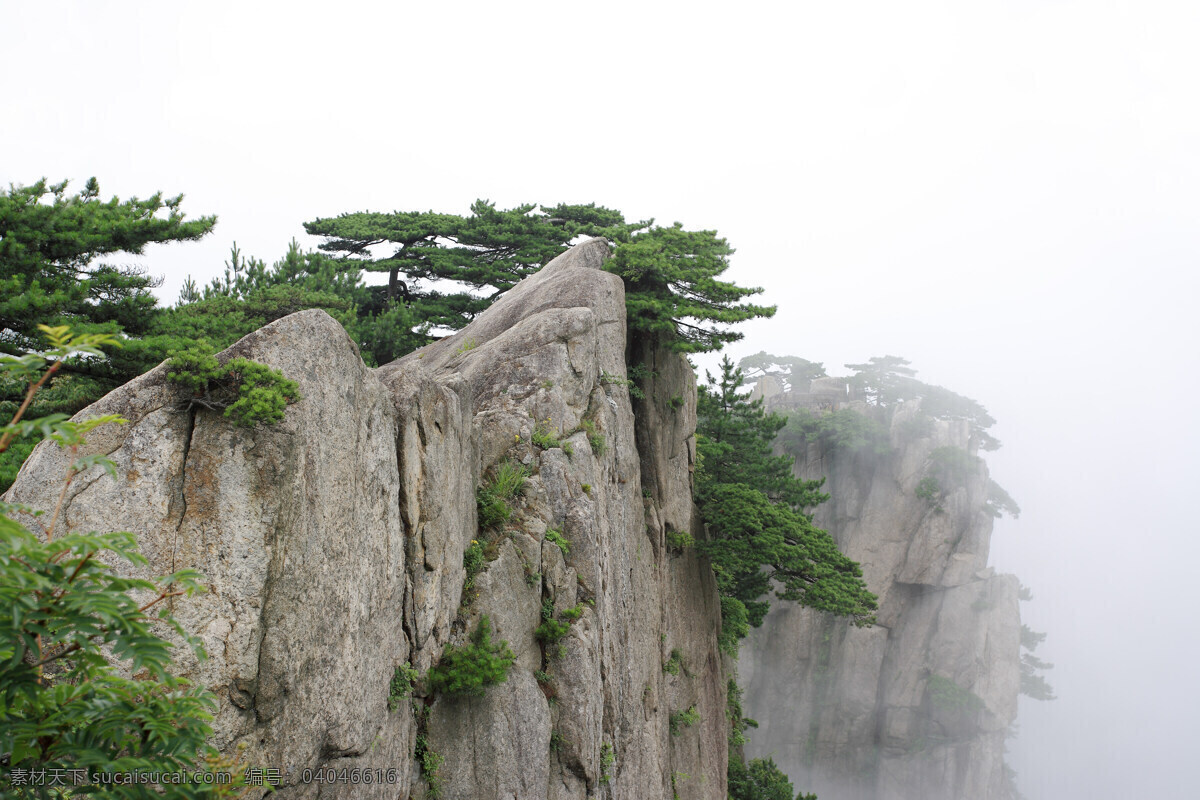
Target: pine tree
{"type": "Point", "coordinates": [792, 373]}
{"type": "Point", "coordinates": [761, 539]}
{"type": "Point", "coordinates": [672, 291]}
{"type": "Point", "coordinates": [447, 268]}
{"type": "Point", "coordinates": [48, 259]}
{"type": "Point", "coordinates": [51, 246]}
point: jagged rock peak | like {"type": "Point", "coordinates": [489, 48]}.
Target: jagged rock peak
{"type": "Point", "coordinates": [333, 545]}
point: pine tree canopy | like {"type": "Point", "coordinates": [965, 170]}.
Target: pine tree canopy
{"type": "Point", "coordinates": [790, 371]}
{"type": "Point", "coordinates": [48, 253]}
{"type": "Point", "coordinates": [447, 268]}
{"type": "Point", "coordinates": [672, 291]}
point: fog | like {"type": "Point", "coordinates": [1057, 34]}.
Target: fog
{"type": "Point", "coordinates": [1006, 194]}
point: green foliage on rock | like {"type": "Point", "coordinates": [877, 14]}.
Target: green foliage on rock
{"type": "Point", "coordinates": [738, 722]}
{"type": "Point", "coordinates": [1000, 502]}
{"type": "Point", "coordinates": [738, 444]}
{"type": "Point", "coordinates": [753, 505]}
{"type": "Point", "coordinates": [735, 625]}
{"type": "Point", "coordinates": [430, 762]}
{"type": "Point", "coordinates": [843, 429]}
{"type": "Point", "coordinates": [608, 757]}
{"type": "Point", "coordinates": [469, 669]}
{"type": "Point", "coordinates": [1033, 684]}
{"type": "Point", "coordinates": [555, 537]}
{"type": "Point", "coordinates": [66, 613]}
{"type": "Point", "coordinates": [945, 693]}
{"type": "Point", "coordinates": [54, 270]}
{"type": "Point", "coordinates": [546, 435]}
{"type": "Point", "coordinates": [447, 268]}
{"type": "Point", "coordinates": [760, 779]}
{"type": "Point", "coordinates": [595, 439]}
{"type": "Point", "coordinates": [888, 380]}
{"type": "Point", "coordinates": [249, 393]}
{"type": "Point", "coordinates": [401, 685]}
{"type": "Point", "coordinates": [552, 630]}
{"type": "Point", "coordinates": [683, 719]}
{"type": "Point", "coordinates": [953, 465]}
{"type": "Point", "coordinates": [929, 489]}
{"type": "Point", "coordinates": [495, 497]}
{"type": "Point", "coordinates": [474, 562]}
{"type": "Point", "coordinates": [672, 291]}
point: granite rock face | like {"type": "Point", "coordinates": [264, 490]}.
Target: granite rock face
{"type": "Point", "coordinates": [333, 545]}
{"type": "Point", "coordinates": [916, 707]}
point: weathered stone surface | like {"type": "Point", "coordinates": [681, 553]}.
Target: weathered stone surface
{"type": "Point", "coordinates": [550, 355]}
{"type": "Point", "coordinates": [334, 547]}
{"type": "Point", "coordinates": [297, 531]}
{"type": "Point", "coordinates": [916, 707]}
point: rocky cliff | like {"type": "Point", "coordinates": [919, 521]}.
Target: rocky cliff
{"type": "Point", "coordinates": [333, 545]}
{"type": "Point", "coordinates": [916, 707]}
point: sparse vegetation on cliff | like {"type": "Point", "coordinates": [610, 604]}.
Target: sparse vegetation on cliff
{"type": "Point", "coordinates": [470, 668]}
{"type": "Point", "coordinates": [495, 497]}
{"type": "Point", "coordinates": [1033, 684]}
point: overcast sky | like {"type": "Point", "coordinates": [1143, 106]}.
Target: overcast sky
{"type": "Point", "coordinates": [1005, 193]}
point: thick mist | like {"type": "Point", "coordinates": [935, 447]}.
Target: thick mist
{"type": "Point", "coordinates": [1002, 193]}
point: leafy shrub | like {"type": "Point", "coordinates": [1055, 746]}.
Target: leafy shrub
{"type": "Point", "coordinates": [674, 663]}
{"type": "Point", "coordinates": [469, 669]}
{"type": "Point", "coordinates": [928, 489]}
{"type": "Point", "coordinates": [556, 536]}
{"type": "Point", "coordinates": [683, 719]}
{"type": "Point", "coordinates": [401, 685]}
{"type": "Point", "coordinates": [595, 438]}
{"type": "Point", "coordinates": [11, 461]}
{"type": "Point", "coordinates": [761, 779]}
{"type": "Point", "coordinates": [738, 723]}
{"type": "Point", "coordinates": [918, 426]}
{"type": "Point", "coordinates": [431, 764]}
{"type": "Point", "coordinates": [679, 540]}
{"type": "Point", "coordinates": [607, 758]}
{"type": "Point", "coordinates": [551, 630]}
{"type": "Point", "coordinates": [494, 499]}
{"type": "Point", "coordinates": [248, 392]}
{"type": "Point", "coordinates": [735, 625]}
{"type": "Point", "coordinates": [945, 693]}
{"type": "Point", "coordinates": [474, 563]}
{"type": "Point", "coordinates": [953, 464]}
{"type": "Point", "coordinates": [608, 379]}
{"type": "Point", "coordinates": [545, 435]}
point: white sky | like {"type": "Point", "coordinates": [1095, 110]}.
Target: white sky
{"type": "Point", "coordinates": [1006, 193]}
